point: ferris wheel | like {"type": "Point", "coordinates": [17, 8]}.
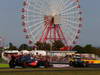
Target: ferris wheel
{"type": "Point", "coordinates": [51, 20]}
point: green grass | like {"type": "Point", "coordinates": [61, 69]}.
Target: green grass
{"type": "Point", "coordinates": [4, 65]}
{"type": "Point", "coordinates": [75, 71]}
{"type": "Point", "coordinates": [54, 73]}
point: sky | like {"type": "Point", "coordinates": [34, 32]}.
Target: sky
{"type": "Point", "coordinates": [11, 28]}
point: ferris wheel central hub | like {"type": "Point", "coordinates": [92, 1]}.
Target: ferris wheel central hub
{"type": "Point", "coordinates": [54, 19]}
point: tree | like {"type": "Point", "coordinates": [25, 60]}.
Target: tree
{"type": "Point", "coordinates": [89, 48]}
{"type": "Point", "coordinates": [42, 46]}
{"type": "Point", "coordinates": [56, 45]}
{"type": "Point", "coordinates": [97, 51]}
{"type": "Point", "coordinates": [24, 47]}
{"type": "Point", "coordinates": [1, 48]}
{"type": "Point", "coordinates": [12, 47]}
{"type": "Point", "coordinates": [79, 49]}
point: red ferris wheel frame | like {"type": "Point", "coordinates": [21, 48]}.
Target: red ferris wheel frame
{"type": "Point", "coordinates": [51, 31]}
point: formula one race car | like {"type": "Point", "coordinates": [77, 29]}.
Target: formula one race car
{"type": "Point", "coordinates": [78, 62]}
{"type": "Point", "coordinates": [28, 61]}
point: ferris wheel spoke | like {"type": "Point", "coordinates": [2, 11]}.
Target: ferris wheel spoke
{"type": "Point", "coordinates": [34, 21]}
{"type": "Point", "coordinates": [41, 7]}
{"type": "Point", "coordinates": [72, 8]}
{"type": "Point", "coordinates": [72, 17]}
{"type": "Point", "coordinates": [34, 31]}
{"type": "Point", "coordinates": [43, 3]}
{"type": "Point", "coordinates": [70, 35]}
{"type": "Point", "coordinates": [34, 17]}
{"type": "Point", "coordinates": [35, 25]}
{"type": "Point", "coordinates": [59, 4]}
{"type": "Point", "coordinates": [41, 32]}
{"type": "Point", "coordinates": [35, 12]}
{"type": "Point", "coordinates": [74, 22]}
{"type": "Point", "coordinates": [66, 2]}
{"type": "Point", "coordinates": [69, 29]}
{"type": "Point", "coordinates": [69, 9]}
{"type": "Point", "coordinates": [74, 37]}
{"type": "Point", "coordinates": [73, 11]}
{"type": "Point", "coordinates": [70, 13]}
{"type": "Point", "coordinates": [74, 27]}
{"type": "Point", "coordinates": [34, 3]}
{"type": "Point", "coordinates": [69, 40]}
{"type": "Point", "coordinates": [37, 35]}
{"type": "Point", "coordinates": [68, 5]}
